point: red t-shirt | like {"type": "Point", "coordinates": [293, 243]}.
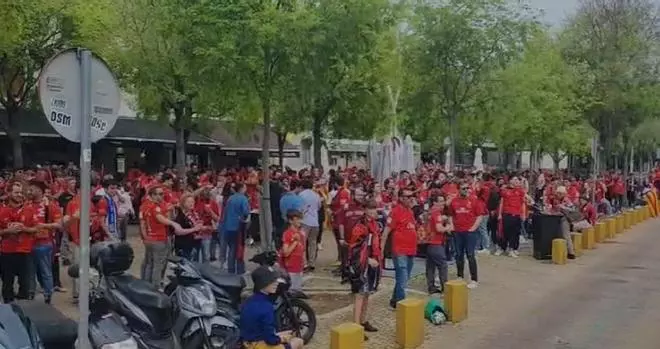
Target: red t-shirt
{"type": "Point", "coordinates": [618, 187]}
{"type": "Point", "coordinates": [155, 231]}
{"type": "Point", "coordinates": [349, 217]}
{"type": "Point", "coordinates": [45, 236]}
{"type": "Point", "coordinates": [338, 205]}
{"type": "Point", "coordinates": [450, 190]}
{"type": "Point", "coordinates": [17, 243]}
{"type": "Point", "coordinates": [253, 197]}
{"type": "Point", "coordinates": [294, 262]}
{"type": "Point", "coordinates": [403, 226]}
{"type": "Point", "coordinates": [513, 200]}
{"type": "Point", "coordinates": [361, 231]}
{"type": "Point", "coordinates": [464, 212]}
{"type": "Point", "coordinates": [202, 207]}
{"type": "Point", "coordinates": [437, 216]}
{"type": "Point", "coordinates": [590, 214]}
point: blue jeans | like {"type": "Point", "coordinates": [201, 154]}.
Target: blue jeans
{"type": "Point", "coordinates": [235, 256]}
{"type": "Point", "coordinates": [42, 257]}
{"type": "Point", "coordinates": [205, 249]}
{"type": "Point", "coordinates": [466, 242]}
{"type": "Point", "coordinates": [402, 268]}
{"type": "Point", "coordinates": [484, 234]}
{"type": "Point", "coordinates": [222, 246]}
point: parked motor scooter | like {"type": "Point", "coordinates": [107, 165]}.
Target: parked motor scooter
{"type": "Point", "coordinates": [292, 313]}
{"type": "Point", "coordinates": [146, 312]}
{"type": "Point", "coordinates": [197, 324]}
{"type": "Point", "coordinates": [17, 331]}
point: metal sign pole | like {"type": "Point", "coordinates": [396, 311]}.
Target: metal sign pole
{"type": "Point", "coordinates": [85, 187]}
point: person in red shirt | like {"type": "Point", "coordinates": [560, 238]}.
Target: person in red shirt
{"type": "Point", "coordinates": [338, 205]}
{"type": "Point", "coordinates": [153, 223]}
{"type": "Point", "coordinates": [293, 249]}
{"type": "Point", "coordinates": [346, 220]}
{"type": "Point", "coordinates": [440, 224]}
{"type": "Point", "coordinates": [365, 260]}
{"type": "Point", "coordinates": [510, 213]}
{"type": "Point", "coordinates": [402, 226]}
{"type": "Point", "coordinates": [209, 211]}
{"type": "Point", "coordinates": [17, 229]}
{"type": "Point", "coordinates": [588, 210]}
{"type": "Point", "coordinates": [48, 215]}
{"type": "Point", "coordinates": [466, 217]}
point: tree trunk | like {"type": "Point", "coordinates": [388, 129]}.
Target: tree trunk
{"type": "Point", "coordinates": [317, 142]}
{"type": "Point", "coordinates": [180, 137]}
{"type": "Point", "coordinates": [16, 147]}
{"type": "Point", "coordinates": [556, 159]}
{"type": "Point", "coordinates": [281, 140]}
{"type": "Point", "coordinates": [452, 141]}
{"type": "Point", "coordinates": [266, 220]}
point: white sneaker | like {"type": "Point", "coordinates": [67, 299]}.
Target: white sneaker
{"type": "Point", "coordinates": [483, 251]}
{"type": "Point", "coordinates": [514, 254]}
{"type": "Point", "coordinates": [320, 247]}
{"type": "Point", "coordinates": [498, 252]}
{"type": "Point", "coordinates": [472, 285]}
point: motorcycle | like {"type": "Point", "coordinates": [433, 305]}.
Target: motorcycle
{"type": "Point", "coordinates": [197, 325]}
{"type": "Point", "coordinates": [17, 330]}
{"type": "Point", "coordinates": [292, 313]}
{"type": "Point", "coordinates": [121, 298]}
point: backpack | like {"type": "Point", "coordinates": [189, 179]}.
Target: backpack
{"type": "Point", "coordinates": [493, 202]}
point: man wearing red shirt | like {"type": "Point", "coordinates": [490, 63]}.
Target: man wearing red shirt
{"type": "Point", "coordinates": [346, 220]}
{"type": "Point", "coordinates": [338, 204]}
{"type": "Point", "coordinates": [17, 228]}
{"type": "Point", "coordinates": [403, 227]}
{"type": "Point", "coordinates": [466, 217]}
{"type": "Point", "coordinates": [48, 216]}
{"type": "Point", "coordinates": [293, 249]}
{"type": "Point", "coordinates": [440, 224]}
{"type": "Point", "coordinates": [510, 214]}
{"type": "Point", "coordinates": [153, 224]}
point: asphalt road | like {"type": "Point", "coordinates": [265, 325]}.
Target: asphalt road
{"type": "Point", "coordinates": [609, 300]}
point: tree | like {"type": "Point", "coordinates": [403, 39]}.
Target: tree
{"type": "Point", "coordinates": [164, 61]}
{"type": "Point", "coordinates": [536, 103]}
{"type": "Point", "coordinates": [613, 45]}
{"type": "Point", "coordinates": [338, 78]}
{"type": "Point", "coordinates": [32, 32]}
{"type": "Point", "coordinates": [458, 44]}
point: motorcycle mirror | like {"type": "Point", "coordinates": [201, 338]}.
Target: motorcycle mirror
{"type": "Point", "coordinates": [73, 271]}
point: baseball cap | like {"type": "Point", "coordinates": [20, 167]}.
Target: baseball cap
{"type": "Point", "coordinates": [264, 276]}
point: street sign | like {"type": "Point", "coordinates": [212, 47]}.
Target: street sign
{"type": "Point", "coordinates": [80, 98]}
{"type": "Point", "coordinates": [60, 95]}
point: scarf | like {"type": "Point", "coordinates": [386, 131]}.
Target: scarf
{"type": "Point", "coordinates": [112, 216]}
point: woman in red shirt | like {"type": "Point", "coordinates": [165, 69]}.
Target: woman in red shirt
{"type": "Point", "coordinates": [440, 224]}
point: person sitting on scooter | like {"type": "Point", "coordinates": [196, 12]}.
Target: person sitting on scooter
{"type": "Point", "coordinates": [257, 324]}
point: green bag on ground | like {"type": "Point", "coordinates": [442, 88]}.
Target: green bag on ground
{"type": "Point", "coordinates": [435, 311]}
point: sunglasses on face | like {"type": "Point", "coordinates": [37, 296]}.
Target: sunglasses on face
{"type": "Point", "coordinates": [159, 193]}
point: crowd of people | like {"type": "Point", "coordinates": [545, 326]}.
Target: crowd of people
{"type": "Point", "coordinates": [212, 215]}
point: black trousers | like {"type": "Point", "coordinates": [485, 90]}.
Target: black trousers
{"type": "Point", "coordinates": [512, 225]}
{"type": "Point", "coordinates": [15, 266]}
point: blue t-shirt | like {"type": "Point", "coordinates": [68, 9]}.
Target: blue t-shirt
{"type": "Point", "coordinates": [236, 209]}
{"type": "Point", "coordinates": [290, 201]}
{"type": "Point", "coordinates": [258, 320]}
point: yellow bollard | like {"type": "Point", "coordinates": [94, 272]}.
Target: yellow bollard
{"type": "Point", "coordinates": [601, 231]}
{"type": "Point", "coordinates": [589, 238]}
{"type": "Point", "coordinates": [611, 228]}
{"type": "Point", "coordinates": [456, 300]}
{"type": "Point", "coordinates": [559, 253]}
{"type": "Point", "coordinates": [576, 238]}
{"type": "Point", "coordinates": [619, 224]}
{"type": "Point", "coordinates": [638, 215]}
{"type": "Point", "coordinates": [627, 219]}
{"type": "Point", "coordinates": [649, 211]}
{"type": "Point", "coordinates": [347, 336]}
{"type": "Point", "coordinates": [410, 323]}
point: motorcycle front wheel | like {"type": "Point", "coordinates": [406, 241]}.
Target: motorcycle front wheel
{"type": "Point", "coordinates": [299, 312]}
{"type": "Point", "coordinates": [221, 338]}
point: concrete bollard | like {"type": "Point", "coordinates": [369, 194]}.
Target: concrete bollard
{"type": "Point", "coordinates": [410, 323]}
{"type": "Point", "coordinates": [456, 300]}
{"type": "Point", "coordinates": [347, 336]}
{"type": "Point", "coordinates": [589, 238]}
{"type": "Point", "coordinates": [559, 253]}
{"type": "Point", "coordinates": [619, 224]}
{"type": "Point", "coordinates": [601, 231]}
{"type": "Point", "coordinates": [576, 238]}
